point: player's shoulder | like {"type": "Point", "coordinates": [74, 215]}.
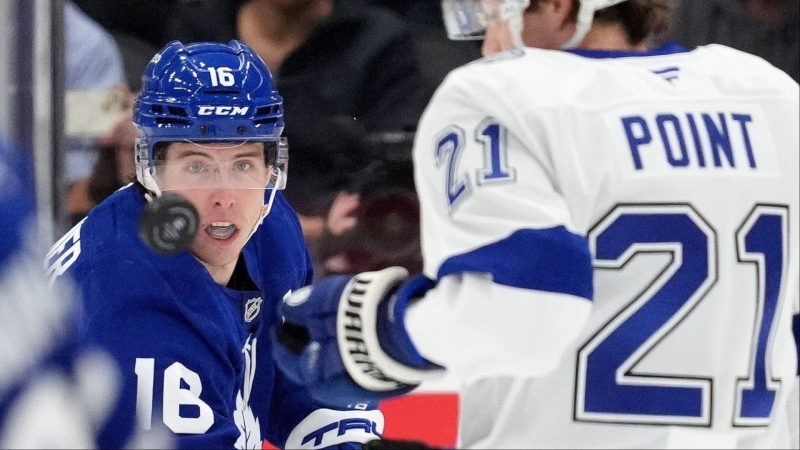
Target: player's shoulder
{"type": "Point", "coordinates": [278, 247]}
{"type": "Point", "coordinates": [114, 219]}
{"type": "Point", "coordinates": [106, 244]}
{"type": "Point", "coordinates": [719, 52]}
{"type": "Point", "coordinates": [516, 77]}
{"type": "Point", "coordinates": [748, 69]}
{"type": "Point", "coordinates": [527, 58]}
{"type": "Point", "coordinates": [282, 224]}
{"type": "Point", "coordinates": [501, 66]}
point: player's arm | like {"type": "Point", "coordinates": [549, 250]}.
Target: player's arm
{"type": "Point", "coordinates": [350, 339]}
{"type": "Point", "coordinates": [512, 266]}
{"type": "Point", "coordinates": [508, 282]}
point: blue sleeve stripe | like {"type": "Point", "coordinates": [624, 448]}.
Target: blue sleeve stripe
{"type": "Point", "coordinates": [550, 260]}
{"type": "Point", "coordinates": [796, 328]}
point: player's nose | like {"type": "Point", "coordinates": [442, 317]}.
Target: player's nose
{"type": "Point", "coordinates": [223, 197]}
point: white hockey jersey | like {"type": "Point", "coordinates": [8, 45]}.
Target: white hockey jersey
{"type": "Point", "coordinates": [673, 176]}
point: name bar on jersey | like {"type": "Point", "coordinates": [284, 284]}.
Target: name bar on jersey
{"type": "Point", "coordinates": [722, 141]}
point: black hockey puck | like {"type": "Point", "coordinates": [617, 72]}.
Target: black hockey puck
{"type": "Point", "coordinates": [169, 224]}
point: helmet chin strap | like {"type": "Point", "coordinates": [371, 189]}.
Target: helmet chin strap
{"type": "Point", "coordinates": [583, 24]}
{"type": "Point", "coordinates": [512, 13]}
{"type": "Point", "coordinates": [267, 207]}
{"type": "Point", "coordinates": [515, 25]}
{"type": "Point", "coordinates": [149, 183]}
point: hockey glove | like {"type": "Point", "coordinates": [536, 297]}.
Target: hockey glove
{"type": "Point", "coordinates": [337, 430]}
{"type": "Point", "coordinates": [344, 338]}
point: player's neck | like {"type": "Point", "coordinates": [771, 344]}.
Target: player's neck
{"type": "Point", "coordinates": [220, 274]}
{"type": "Point", "coordinates": [609, 37]}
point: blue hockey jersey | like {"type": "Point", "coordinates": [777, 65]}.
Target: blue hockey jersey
{"type": "Point", "coordinates": [45, 399]}
{"type": "Point", "coordinates": [194, 355]}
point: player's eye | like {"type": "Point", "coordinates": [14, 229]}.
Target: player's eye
{"type": "Point", "coordinates": [243, 166]}
{"type": "Point", "coordinates": [196, 167]}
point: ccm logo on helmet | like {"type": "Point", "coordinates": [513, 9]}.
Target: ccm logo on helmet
{"type": "Point", "coordinates": [222, 110]}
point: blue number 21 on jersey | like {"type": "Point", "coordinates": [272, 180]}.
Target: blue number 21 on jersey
{"type": "Point", "coordinates": [449, 146]}
{"type": "Point", "coordinates": [608, 390]}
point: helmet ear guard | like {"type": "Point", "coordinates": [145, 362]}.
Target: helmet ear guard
{"type": "Point", "coordinates": [144, 168]}
{"type": "Point", "coordinates": [278, 158]}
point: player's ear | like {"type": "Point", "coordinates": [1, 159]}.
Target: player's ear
{"type": "Point", "coordinates": [563, 15]}
{"type": "Point", "coordinates": [564, 11]}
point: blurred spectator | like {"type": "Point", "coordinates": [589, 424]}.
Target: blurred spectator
{"type": "Point", "coordinates": [92, 56]}
{"type": "Point", "coordinates": [113, 169]}
{"type": "Point", "coordinates": [374, 223]}
{"type": "Point", "coordinates": [437, 54]}
{"type": "Point", "coordinates": [415, 11]}
{"type": "Point", "coordinates": [114, 165]}
{"type": "Point", "coordinates": [157, 22]}
{"type": "Point", "coordinates": [767, 28]}
{"type": "Point", "coordinates": [335, 61]}
{"type": "Point", "coordinates": [93, 62]}
{"type": "Point", "coordinates": [136, 53]}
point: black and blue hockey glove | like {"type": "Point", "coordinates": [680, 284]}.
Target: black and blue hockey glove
{"type": "Point", "coordinates": [344, 338]}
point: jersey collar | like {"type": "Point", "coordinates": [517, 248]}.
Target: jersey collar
{"type": "Point", "coordinates": [666, 49]}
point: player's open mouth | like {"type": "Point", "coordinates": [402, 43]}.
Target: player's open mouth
{"type": "Point", "coordinates": [221, 230]}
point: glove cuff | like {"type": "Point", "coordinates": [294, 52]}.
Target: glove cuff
{"type": "Point", "coordinates": [363, 356]}
{"type": "Point", "coordinates": [392, 334]}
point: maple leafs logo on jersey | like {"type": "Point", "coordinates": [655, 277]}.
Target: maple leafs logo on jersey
{"type": "Point", "coordinates": [249, 428]}
{"type": "Point", "coordinates": [246, 422]}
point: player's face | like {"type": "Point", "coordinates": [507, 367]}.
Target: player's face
{"type": "Point", "coordinates": [226, 184]}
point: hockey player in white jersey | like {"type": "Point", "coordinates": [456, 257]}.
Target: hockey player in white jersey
{"type": "Point", "coordinates": [610, 238]}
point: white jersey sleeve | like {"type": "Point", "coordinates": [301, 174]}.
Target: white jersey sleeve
{"type": "Point", "coordinates": [514, 276]}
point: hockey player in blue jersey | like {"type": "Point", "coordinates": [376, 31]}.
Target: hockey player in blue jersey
{"type": "Point", "coordinates": [189, 328]}
{"type": "Point", "coordinates": [610, 243]}
{"type": "Point", "coordinates": [54, 391]}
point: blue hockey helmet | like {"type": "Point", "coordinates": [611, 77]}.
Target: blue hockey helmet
{"type": "Point", "coordinates": [208, 92]}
